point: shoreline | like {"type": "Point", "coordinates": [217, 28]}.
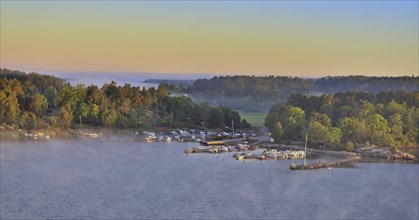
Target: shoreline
{"type": "Point", "coordinates": [9, 133]}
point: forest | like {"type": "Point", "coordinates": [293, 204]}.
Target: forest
{"type": "Point", "coordinates": [347, 120]}
{"type": "Point", "coordinates": [33, 101]}
{"type": "Point", "coordinates": [341, 120]}
{"type": "Point", "coordinates": [257, 93]}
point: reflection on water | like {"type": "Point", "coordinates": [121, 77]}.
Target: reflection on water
{"type": "Point", "coordinates": [115, 178]}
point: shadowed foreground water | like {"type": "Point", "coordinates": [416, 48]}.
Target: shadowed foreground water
{"type": "Point", "coordinates": [117, 179]}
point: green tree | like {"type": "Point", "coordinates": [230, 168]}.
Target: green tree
{"type": "Point", "coordinates": [394, 108]}
{"type": "Point", "coordinates": [316, 132]}
{"type": "Point", "coordinates": [32, 121]}
{"type": "Point", "coordinates": [379, 130]}
{"type": "Point", "coordinates": [333, 136]}
{"type": "Point", "coordinates": [245, 124]}
{"type": "Point", "coordinates": [50, 94]}
{"type": "Point", "coordinates": [66, 97]}
{"type": "Point", "coordinates": [109, 117]}
{"type": "Point", "coordinates": [216, 118]}
{"type": "Point", "coordinates": [65, 116]}
{"type": "Point", "coordinates": [162, 93]}
{"type": "Point", "coordinates": [147, 98]}
{"type": "Point", "coordinates": [93, 114]}
{"type": "Point", "coordinates": [202, 113]}
{"type": "Point", "coordinates": [291, 118]}
{"type": "Point", "coordinates": [277, 132]}
{"type": "Point", "coordinates": [39, 104]}
{"type": "Point", "coordinates": [9, 106]}
{"type": "Point", "coordinates": [396, 129]}
{"type": "Point", "coordinates": [363, 110]}
{"type": "Point", "coordinates": [23, 119]}
{"type": "Point", "coordinates": [293, 121]}
{"type": "Point", "coordinates": [353, 130]}
{"type": "Point", "coordinates": [323, 119]}
{"type": "Point", "coordinates": [321, 134]}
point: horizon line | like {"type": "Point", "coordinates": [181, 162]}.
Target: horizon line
{"type": "Point", "coordinates": [48, 72]}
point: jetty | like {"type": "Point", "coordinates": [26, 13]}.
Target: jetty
{"type": "Point", "coordinates": [348, 159]}
{"type": "Point", "coordinates": [207, 143]}
{"type": "Point", "coordinates": [319, 165]}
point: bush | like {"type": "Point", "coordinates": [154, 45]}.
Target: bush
{"type": "Point", "coordinates": [349, 146]}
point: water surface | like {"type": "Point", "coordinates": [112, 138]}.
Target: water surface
{"type": "Point", "coordinates": [115, 178]}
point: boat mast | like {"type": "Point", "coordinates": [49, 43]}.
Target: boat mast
{"type": "Point", "coordinates": [232, 125]}
{"type": "Point", "coordinates": [305, 150]}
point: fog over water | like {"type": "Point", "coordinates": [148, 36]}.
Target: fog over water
{"type": "Point", "coordinates": [113, 178]}
{"type": "Point", "coordinates": [99, 79]}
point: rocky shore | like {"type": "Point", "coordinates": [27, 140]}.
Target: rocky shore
{"type": "Point", "coordinates": [384, 153]}
{"type": "Point", "coordinates": [343, 158]}
{"type": "Point", "coordinates": [350, 157]}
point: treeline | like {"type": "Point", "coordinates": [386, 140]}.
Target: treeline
{"type": "Point", "coordinates": [36, 81]}
{"type": "Point", "coordinates": [346, 120]}
{"type": "Point", "coordinates": [261, 88]}
{"type": "Point", "coordinates": [276, 87]}
{"type": "Point", "coordinates": [40, 101]}
{"type": "Point", "coordinates": [367, 84]}
{"type": "Point", "coordinates": [251, 93]}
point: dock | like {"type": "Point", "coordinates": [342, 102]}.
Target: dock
{"type": "Point", "coordinates": [206, 143]}
{"type": "Point", "coordinates": [319, 165]}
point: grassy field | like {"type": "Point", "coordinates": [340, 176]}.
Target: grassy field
{"type": "Point", "coordinates": [254, 118]}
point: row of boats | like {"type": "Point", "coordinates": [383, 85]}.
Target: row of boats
{"type": "Point", "coordinates": [215, 149]}
{"type": "Point", "coordinates": [292, 154]}
{"type": "Point", "coordinates": [36, 136]}
{"type": "Point", "coordinates": [160, 138]}
{"type": "Point", "coordinates": [243, 152]}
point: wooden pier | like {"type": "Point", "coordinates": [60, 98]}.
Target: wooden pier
{"type": "Point", "coordinates": [207, 143]}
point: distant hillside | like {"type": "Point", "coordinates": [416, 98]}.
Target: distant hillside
{"type": "Point", "coordinates": [257, 93]}
{"type": "Point", "coordinates": [366, 84]}
{"type": "Point", "coordinates": [171, 81]}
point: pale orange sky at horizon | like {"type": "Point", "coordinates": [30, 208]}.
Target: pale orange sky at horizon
{"type": "Point", "coordinates": [271, 38]}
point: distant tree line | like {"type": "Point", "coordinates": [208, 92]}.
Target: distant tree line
{"type": "Point", "coordinates": [41, 101]}
{"type": "Point", "coordinates": [346, 120]}
{"type": "Point", "coordinates": [252, 93]}
{"type": "Point", "coordinates": [368, 84]}
{"type": "Point", "coordinates": [261, 88]}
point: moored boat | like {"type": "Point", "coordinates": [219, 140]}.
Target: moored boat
{"type": "Point", "coordinates": [150, 138]}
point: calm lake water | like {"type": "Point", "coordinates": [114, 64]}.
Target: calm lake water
{"type": "Point", "coordinates": [117, 179]}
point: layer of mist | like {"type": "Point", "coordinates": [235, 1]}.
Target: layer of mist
{"type": "Point", "coordinates": [99, 79]}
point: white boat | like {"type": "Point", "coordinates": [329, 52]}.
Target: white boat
{"type": "Point", "coordinates": [92, 135]}
{"type": "Point", "coordinates": [261, 157]}
{"type": "Point", "coordinates": [292, 154]}
{"type": "Point", "coordinates": [301, 154]}
{"type": "Point", "coordinates": [240, 157]}
{"type": "Point", "coordinates": [271, 152]}
{"type": "Point", "coordinates": [271, 155]}
{"type": "Point", "coordinates": [282, 156]}
{"type": "Point", "coordinates": [150, 138]}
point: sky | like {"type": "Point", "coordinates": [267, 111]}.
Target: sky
{"type": "Point", "coordinates": [293, 38]}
